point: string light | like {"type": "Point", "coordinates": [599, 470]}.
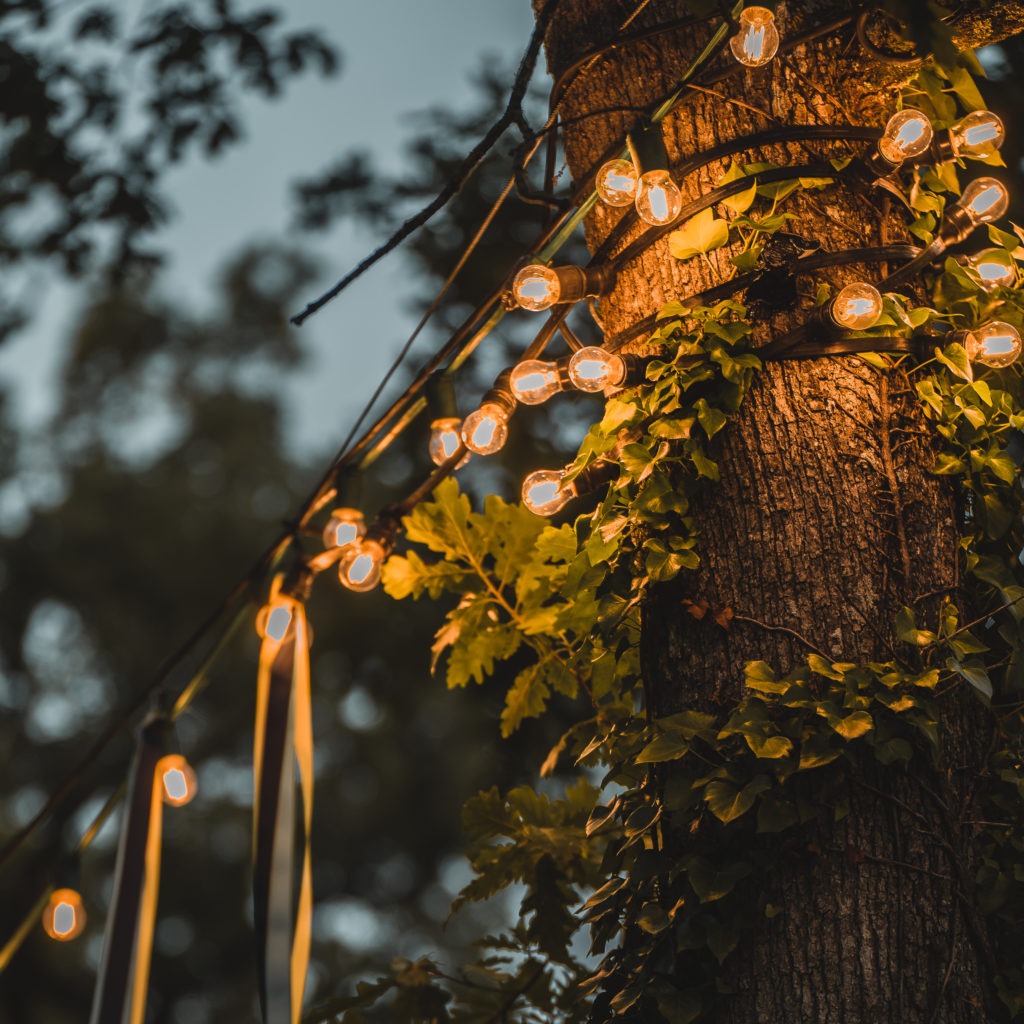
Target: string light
{"type": "Point", "coordinates": [359, 568]}
{"type": "Point", "coordinates": [445, 440]}
{"type": "Point", "coordinates": [983, 201]}
{"type": "Point", "coordinates": [594, 369]}
{"type": "Point", "coordinates": [64, 917]}
{"type": "Point", "coordinates": [486, 430]}
{"type": "Point", "coordinates": [616, 182]}
{"type": "Point", "coordinates": [658, 199]}
{"type": "Point", "coordinates": [986, 199]}
{"type": "Point", "coordinates": [345, 526]}
{"type": "Point", "coordinates": [178, 780]}
{"type": "Point", "coordinates": [537, 287]}
{"type": "Point", "coordinates": [274, 620]}
{"type": "Point", "coordinates": [534, 381]}
{"type": "Point", "coordinates": [996, 344]}
{"type": "Point", "coordinates": [757, 41]}
{"type": "Point", "coordinates": [857, 307]}
{"type": "Point", "coordinates": [995, 268]}
{"type": "Point", "coordinates": [908, 133]}
{"type": "Point", "coordinates": [545, 493]}
{"type": "Point", "coordinates": [978, 135]}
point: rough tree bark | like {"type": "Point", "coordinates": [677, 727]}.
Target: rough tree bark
{"type": "Point", "coordinates": [825, 522]}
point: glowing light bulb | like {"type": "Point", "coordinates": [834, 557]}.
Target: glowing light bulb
{"type": "Point", "coordinates": [64, 916]}
{"type": "Point", "coordinates": [593, 369]}
{"type": "Point", "coordinates": [758, 39]}
{"type": "Point", "coordinates": [533, 381]}
{"type": "Point", "coordinates": [179, 781]}
{"type": "Point", "coordinates": [445, 440]}
{"type": "Point", "coordinates": [274, 621]}
{"type": "Point", "coordinates": [985, 200]}
{"type": "Point", "coordinates": [907, 133]}
{"type": "Point", "coordinates": [996, 268]}
{"type": "Point", "coordinates": [544, 493]}
{"type": "Point", "coordinates": [857, 307]}
{"type": "Point", "coordinates": [616, 182]}
{"type": "Point", "coordinates": [345, 526]}
{"type": "Point", "coordinates": [997, 344]}
{"type": "Point", "coordinates": [658, 199]}
{"type": "Point", "coordinates": [979, 134]}
{"type": "Point", "coordinates": [486, 430]}
{"type": "Point", "coordinates": [360, 567]}
{"type": "Point", "coordinates": [536, 287]}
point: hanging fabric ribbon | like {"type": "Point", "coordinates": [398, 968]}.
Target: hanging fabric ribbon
{"type": "Point", "coordinates": [283, 738]}
{"type": "Point", "coordinates": [120, 996]}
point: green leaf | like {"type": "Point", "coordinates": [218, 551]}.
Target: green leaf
{"type": "Point", "coordinates": [769, 747]}
{"type": "Point", "coordinates": [727, 803]}
{"type": "Point", "coordinates": [742, 201]}
{"type": "Point", "coordinates": [711, 419]}
{"type": "Point", "coordinates": [906, 629]}
{"type": "Point", "coordinates": [700, 234]}
{"type": "Point", "coordinates": [853, 725]}
{"type": "Point", "coordinates": [975, 674]}
{"type": "Point", "coordinates": [954, 357]}
{"type": "Point", "coordinates": [759, 676]}
{"type": "Point", "coordinates": [663, 748]}
{"type": "Point", "coordinates": [653, 918]}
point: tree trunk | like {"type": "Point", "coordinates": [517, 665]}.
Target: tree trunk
{"type": "Point", "coordinates": [825, 522]}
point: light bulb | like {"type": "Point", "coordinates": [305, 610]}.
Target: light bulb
{"type": "Point", "coordinates": [486, 430]}
{"type": "Point", "coordinates": [985, 200]}
{"type": "Point", "coordinates": [995, 267]}
{"type": "Point", "coordinates": [907, 133]}
{"type": "Point", "coordinates": [178, 779]}
{"type": "Point", "coordinates": [64, 916]}
{"type": "Point", "coordinates": [997, 344]}
{"type": "Point", "coordinates": [360, 567]}
{"type": "Point", "coordinates": [533, 381]}
{"type": "Point", "coordinates": [345, 526]}
{"type": "Point", "coordinates": [979, 134]}
{"type": "Point", "coordinates": [445, 440]}
{"type": "Point", "coordinates": [544, 493]}
{"type": "Point", "coordinates": [616, 182]}
{"type": "Point", "coordinates": [536, 287]}
{"type": "Point", "coordinates": [274, 621]}
{"type": "Point", "coordinates": [658, 199]}
{"type": "Point", "coordinates": [758, 39]}
{"type": "Point", "coordinates": [593, 369]}
{"type": "Point", "coordinates": [857, 307]}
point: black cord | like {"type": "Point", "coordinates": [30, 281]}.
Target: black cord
{"type": "Point", "coordinates": [816, 261]}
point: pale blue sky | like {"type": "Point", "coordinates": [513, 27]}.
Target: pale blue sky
{"type": "Point", "coordinates": [398, 57]}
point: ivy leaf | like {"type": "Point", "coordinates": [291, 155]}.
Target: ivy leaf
{"type": "Point", "coordinates": [699, 235]}
{"type": "Point", "coordinates": [954, 357]}
{"type": "Point", "coordinates": [760, 677]}
{"type": "Point", "coordinates": [653, 918]}
{"type": "Point", "coordinates": [742, 201]}
{"type": "Point", "coordinates": [663, 748]}
{"type": "Point", "coordinates": [856, 724]}
{"type": "Point", "coordinates": [727, 803]}
{"type": "Point", "coordinates": [710, 418]}
{"type": "Point", "coordinates": [770, 747]}
{"type": "Point", "coordinates": [906, 629]}
{"type": "Point", "coordinates": [975, 674]}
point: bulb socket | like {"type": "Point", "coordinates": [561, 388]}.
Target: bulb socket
{"type": "Point", "coordinates": [577, 283]}
{"type": "Point", "coordinates": [647, 148]}
{"type": "Point", "coordinates": [957, 224]}
{"type": "Point", "coordinates": [500, 393]}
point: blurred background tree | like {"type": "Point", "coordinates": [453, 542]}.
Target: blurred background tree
{"type": "Point", "coordinates": [163, 474]}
